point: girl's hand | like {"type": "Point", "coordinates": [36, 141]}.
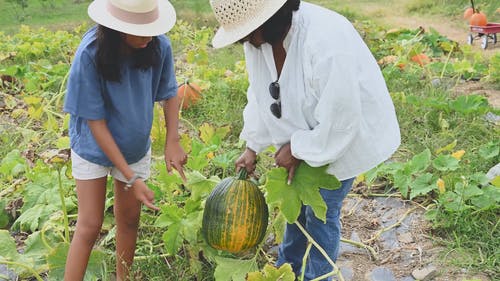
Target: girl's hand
{"type": "Point", "coordinates": [175, 157]}
{"type": "Point", "coordinates": [247, 160]}
{"type": "Point", "coordinates": [144, 194]}
{"type": "Point", "coordinates": [284, 158]}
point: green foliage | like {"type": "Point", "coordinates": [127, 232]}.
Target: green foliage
{"type": "Point", "coordinates": [271, 273]}
{"type": "Point", "coordinates": [96, 268]}
{"type": "Point", "coordinates": [304, 189]}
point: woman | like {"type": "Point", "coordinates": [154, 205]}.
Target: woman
{"type": "Point", "coordinates": [317, 94]}
{"type": "Point", "coordinates": [122, 66]}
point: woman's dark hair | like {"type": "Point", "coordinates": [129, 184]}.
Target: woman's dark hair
{"type": "Point", "coordinates": [110, 54]}
{"type": "Point", "coordinates": [275, 28]}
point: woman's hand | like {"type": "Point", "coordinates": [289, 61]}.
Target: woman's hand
{"type": "Point", "coordinates": [247, 160]}
{"type": "Point", "coordinates": [175, 157]}
{"type": "Point", "coordinates": [284, 158]}
{"type": "Point", "coordinates": [144, 194]}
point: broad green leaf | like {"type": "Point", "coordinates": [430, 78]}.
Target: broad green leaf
{"type": "Point", "coordinates": [445, 163]}
{"type": "Point", "coordinates": [490, 150]}
{"type": "Point", "coordinates": [170, 214]}
{"type": "Point", "coordinates": [197, 158]}
{"type": "Point", "coordinates": [191, 225]}
{"type": "Point", "coordinates": [422, 185]}
{"type": "Point", "coordinates": [488, 199]}
{"type": "Point", "coordinates": [452, 202]}
{"type": "Point", "coordinates": [173, 238]}
{"type": "Point", "coordinates": [271, 273]}
{"type": "Point", "coordinates": [57, 261]}
{"type": "Point", "coordinates": [8, 251]}
{"type": "Point", "coordinates": [32, 219]}
{"type": "Point", "coordinates": [303, 189]}
{"type": "Point", "coordinates": [467, 191]}
{"type": "Point", "coordinates": [168, 182]}
{"type": "Point", "coordinates": [225, 160]}
{"type": "Point", "coordinates": [469, 104]}
{"type": "Point", "coordinates": [420, 161]}
{"type": "Point", "coordinates": [402, 182]}
{"type": "Point", "coordinates": [199, 185]}
{"type": "Point", "coordinates": [233, 269]}
{"type": "Point", "coordinates": [35, 248]}
{"type": "Point", "coordinates": [13, 164]}
{"type": "Point", "coordinates": [8, 248]}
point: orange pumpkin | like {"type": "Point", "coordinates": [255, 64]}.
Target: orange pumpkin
{"type": "Point", "coordinates": [468, 13]}
{"type": "Point", "coordinates": [478, 19]}
{"type": "Point", "coordinates": [189, 93]}
{"type": "Point", "coordinates": [421, 59]}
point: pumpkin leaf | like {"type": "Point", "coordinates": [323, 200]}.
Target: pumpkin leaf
{"type": "Point", "coordinates": [57, 261]}
{"type": "Point", "coordinates": [173, 238]}
{"type": "Point", "coordinates": [233, 269]}
{"type": "Point", "coordinates": [271, 273]}
{"type": "Point", "coordinates": [8, 246]}
{"type": "Point", "coordinates": [304, 189]}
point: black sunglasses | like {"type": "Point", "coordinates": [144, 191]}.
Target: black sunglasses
{"type": "Point", "coordinates": [274, 90]}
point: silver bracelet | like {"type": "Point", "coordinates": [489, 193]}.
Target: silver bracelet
{"type": "Point", "coordinates": [131, 181]}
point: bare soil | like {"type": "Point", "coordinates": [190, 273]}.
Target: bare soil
{"type": "Point", "coordinates": [400, 236]}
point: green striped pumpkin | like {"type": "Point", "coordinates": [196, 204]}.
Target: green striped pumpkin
{"type": "Point", "coordinates": [235, 216]}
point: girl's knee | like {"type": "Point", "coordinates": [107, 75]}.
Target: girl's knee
{"type": "Point", "coordinates": [88, 230]}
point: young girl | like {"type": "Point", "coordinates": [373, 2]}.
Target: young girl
{"type": "Point", "coordinates": [122, 66]}
{"type": "Point", "coordinates": [317, 94]}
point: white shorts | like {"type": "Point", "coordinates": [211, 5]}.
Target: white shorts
{"type": "Point", "coordinates": [85, 170]}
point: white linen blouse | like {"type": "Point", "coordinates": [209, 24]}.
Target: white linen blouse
{"type": "Point", "coordinates": [336, 109]}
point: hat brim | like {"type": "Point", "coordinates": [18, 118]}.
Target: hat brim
{"type": "Point", "coordinates": [98, 12]}
{"type": "Point", "coordinates": [227, 36]}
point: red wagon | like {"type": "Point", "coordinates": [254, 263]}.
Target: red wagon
{"type": "Point", "coordinates": [487, 32]}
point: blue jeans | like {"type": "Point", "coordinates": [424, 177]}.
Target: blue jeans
{"type": "Point", "coordinates": [327, 235]}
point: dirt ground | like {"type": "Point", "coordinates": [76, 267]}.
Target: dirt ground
{"type": "Point", "coordinates": [400, 237]}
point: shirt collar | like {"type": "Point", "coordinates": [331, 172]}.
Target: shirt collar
{"type": "Point", "coordinates": [292, 32]}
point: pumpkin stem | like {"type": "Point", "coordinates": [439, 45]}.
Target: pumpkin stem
{"type": "Point", "coordinates": [473, 8]}
{"type": "Point", "coordinates": [242, 175]}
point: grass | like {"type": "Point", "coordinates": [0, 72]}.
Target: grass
{"type": "Point", "coordinates": [54, 14]}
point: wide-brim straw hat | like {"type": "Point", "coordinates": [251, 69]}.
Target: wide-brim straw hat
{"type": "Point", "coordinates": [135, 17]}
{"type": "Point", "coordinates": [238, 18]}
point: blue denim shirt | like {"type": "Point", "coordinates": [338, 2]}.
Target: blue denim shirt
{"type": "Point", "coordinates": [127, 106]}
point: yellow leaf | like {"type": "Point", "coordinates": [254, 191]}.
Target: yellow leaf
{"type": "Point", "coordinates": [458, 154]}
{"type": "Point", "coordinates": [360, 178]}
{"type": "Point", "coordinates": [448, 147]}
{"type": "Point", "coordinates": [441, 186]}
{"type": "Point", "coordinates": [496, 181]}
{"type": "Point", "coordinates": [206, 132]}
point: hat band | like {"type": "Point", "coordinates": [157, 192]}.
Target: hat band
{"type": "Point", "coordinates": [132, 17]}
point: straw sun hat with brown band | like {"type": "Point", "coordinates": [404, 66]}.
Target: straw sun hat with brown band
{"type": "Point", "coordinates": [135, 17]}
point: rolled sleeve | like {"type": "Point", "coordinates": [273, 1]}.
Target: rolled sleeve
{"type": "Point", "coordinates": [338, 112]}
{"type": "Point", "coordinates": [167, 87]}
{"type": "Point", "coordinates": [84, 96]}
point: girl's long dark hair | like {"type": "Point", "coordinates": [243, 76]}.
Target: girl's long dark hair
{"type": "Point", "coordinates": [275, 28]}
{"type": "Point", "coordinates": [110, 54]}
